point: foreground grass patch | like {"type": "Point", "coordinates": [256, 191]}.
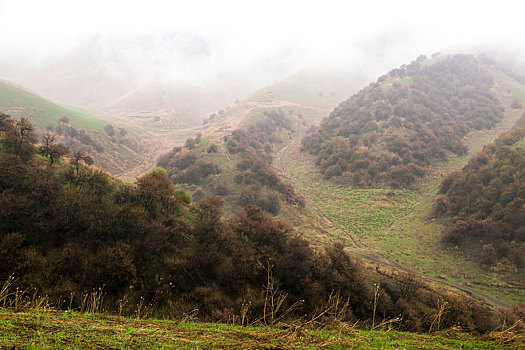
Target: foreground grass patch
{"type": "Point", "coordinates": [70, 330]}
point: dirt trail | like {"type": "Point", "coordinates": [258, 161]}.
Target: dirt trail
{"type": "Point", "coordinates": [385, 261]}
{"type": "Point", "coordinates": [160, 143]}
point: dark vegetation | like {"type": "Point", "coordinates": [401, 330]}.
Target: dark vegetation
{"type": "Point", "coordinates": [67, 232]}
{"type": "Point", "coordinates": [185, 167]}
{"type": "Point", "coordinates": [393, 131]}
{"type": "Point", "coordinates": [75, 136]}
{"type": "Point", "coordinates": [486, 202]}
{"type": "Point", "coordinates": [80, 138]}
{"type": "Point", "coordinates": [254, 147]}
{"type": "Point", "coordinates": [111, 149]}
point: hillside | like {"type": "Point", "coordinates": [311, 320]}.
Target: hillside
{"type": "Point", "coordinates": [383, 226]}
{"type": "Point", "coordinates": [18, 102]}
{"type": "Point", "coordinates": [394, 227]}
{"type": "Point", "coordinates": [77, 234]}
{"type": "Point", "coordinates": [485, 202]}
{"type": "Point", "coordinates": [392, 132]}
{"type": "Point", "coordinates": [112, 148]}
{"type": "Point", "coordinates": [238, 166]}
{"type": "Point", "coordinates": [380, 225]}
{"type": "Point", "coordinates": [174, 76]}
{"type": "Point", "coordinates": [320, 88]}
{"type": "Point", "coordinates": [233, 156]}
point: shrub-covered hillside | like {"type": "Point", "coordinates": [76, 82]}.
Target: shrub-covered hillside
{"type": "Point", "coordinates": [238, 166]}
{"type": "Point", "coordinates": [391, 132]}
{"type": "Point", "coordinates": [67, 230]}
{"type": "Point", "coordinates": [486, 202]}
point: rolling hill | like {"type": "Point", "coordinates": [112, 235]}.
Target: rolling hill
{"type": "Point", "coordinates": [18, 102]}
{"type": "Point", "coordinates": [75, 233]}
{"type": "Point", "coordinates": [116, 149]}
{"type": "Point", "coordinates": [392, 132]}
{"type": "Point", "coordinates": [380, 224]}
{"type": "Point", "coordinates": [368, 253]}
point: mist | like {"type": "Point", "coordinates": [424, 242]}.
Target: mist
{"type": "Point", "coordinates": [95, 54]}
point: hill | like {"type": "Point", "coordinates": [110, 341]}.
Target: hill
{"type": "Point", "coordinates": [383, 226]}
{"type": "Point", "coordinates": [395, 227]}
{"type": "Point", "coordinates": [485, 202]}
{"type": "Point", "coordinates": [18, 102]}
{"type": "Point", "coordinates": [80, 235]}
{"type": "Point", "coordinates": [321, 88]}
{"type": "Point", "coordinates": [178, 77]}
{"type": "Point", "coordinates": [114, 149]}
{"type": "Point", "coordinates": [237, 166]}
{"type": "Point", "coordinates": [392, 132]}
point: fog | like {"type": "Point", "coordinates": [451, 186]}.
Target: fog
{"type": "Point", "coordinates": [93, 53]}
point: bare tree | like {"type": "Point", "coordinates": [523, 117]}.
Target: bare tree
{"type": "Point", "coordinates": [25, 130]}
{"type": "Point", "coordinates": [78, 157]}
{"type": "Point", "coordinates": [409, 283]}
{"type": "Point", "coordinates": [54, 151]}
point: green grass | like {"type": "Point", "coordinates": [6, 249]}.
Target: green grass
{"type": "Point", "coordinates": [388, 84]}
{"type": "Point", "coordinates": [361, 211]}
{"type": "Point", "coordinates": [71, 330]}
{"type": "Point", "coordinates": [316, 92]}
{"type": "Point", "coordinates": [41, 112]}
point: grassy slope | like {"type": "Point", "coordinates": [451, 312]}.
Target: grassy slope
{"type": "Point", "coordinates": [117, 157]}
{"type": "Point", "coordinates": [321, 90]}
{"type": "Point", "coordinates": [396, 222]}
{"type": "Point", "coordinates": [72, 330]}
{"type": "Point", "coordinates": [41, 112]}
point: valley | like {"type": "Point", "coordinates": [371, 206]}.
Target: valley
{"type": "Point", "coordinates": [245, 187]}
{"type": "Point", "coordinates": [395, 226]}
{"type": "Point", "coordinates": [387, 226]}
{"type": "Point", "coordinates": [262, 175]}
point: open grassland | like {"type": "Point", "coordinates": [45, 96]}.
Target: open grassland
{"type": "Point", "coordinates": [397, 224]}
{"type": "Point", "coordinates": [41, 112]}
{"type": "Point", "coordinates": [71, 330]}
{"type": "Point", "coordinates": [316, 89]}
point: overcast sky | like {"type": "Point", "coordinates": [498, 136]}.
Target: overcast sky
{"type": "Point", "coordinates": [299, 33]}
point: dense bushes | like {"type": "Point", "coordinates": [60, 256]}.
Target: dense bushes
{"type": "Point", "coordinates": [252, 147]}
{"type": "Point", "coordinates": [391, 132]}
{"type": "Point", "coordinates": [68, 233]}
{"type": "Point", "coordinates": [486, 202]}
{"type": "Point", "coordinates": [81, 135]}
{"type": "Point", "coordinates": [256, 145]}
